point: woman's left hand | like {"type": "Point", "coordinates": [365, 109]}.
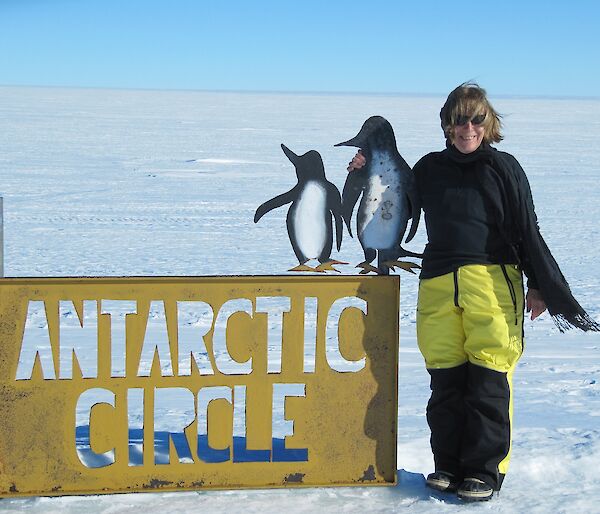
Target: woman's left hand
{"type": "Point", "coordinates": [535, 303]}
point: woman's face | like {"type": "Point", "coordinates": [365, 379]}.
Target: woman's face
{"type": "Point", "coordinates": [468, 136]}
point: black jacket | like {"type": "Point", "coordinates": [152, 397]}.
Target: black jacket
{"type": "Point", "coordinates": [461, 224]}
{"type": "Point", "coordinates": [508, 206]}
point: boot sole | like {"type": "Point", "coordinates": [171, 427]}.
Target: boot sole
{"type": "Point", "coordinates": [476, 497]}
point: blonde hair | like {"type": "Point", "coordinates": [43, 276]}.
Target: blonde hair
{"type": "Point", "coordinates": [469, 99]}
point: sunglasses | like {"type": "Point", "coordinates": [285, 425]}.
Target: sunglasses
{"type": "Point", "coordinates": [475, 120]}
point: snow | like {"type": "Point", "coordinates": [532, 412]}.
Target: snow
{"type": "Point", "coordinates": [117, 182]}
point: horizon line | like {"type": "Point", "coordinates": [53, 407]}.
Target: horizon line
{"type": "Point", "coordinates": [300, 92]}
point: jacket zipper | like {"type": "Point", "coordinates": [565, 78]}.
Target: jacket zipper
{"type": "Point", "coordinates": [456, 288]}
{"type": "Point", "coordinates": [511, 288]}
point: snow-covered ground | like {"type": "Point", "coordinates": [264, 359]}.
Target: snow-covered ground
{"type": "Point", "coordinates": [114, 182]}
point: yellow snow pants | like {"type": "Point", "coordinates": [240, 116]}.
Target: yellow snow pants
{"type": "Point", "coordinates": [470, 332]}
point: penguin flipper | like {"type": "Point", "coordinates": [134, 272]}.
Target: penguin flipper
{"type": "Point", "coordinates": [334, 203]}
{"type": "Point", "coordinates": [415, 206]}
{"type": "Point", "coordinates": [274, 203]}
{"type": "Point", "coordinates": [339, 230]}
{"type": "Point", "coordinates": [352, 190]}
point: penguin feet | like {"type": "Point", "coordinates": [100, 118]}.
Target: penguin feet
{"type": "Point", "coordinates": [321, 268]}
{"type": "Point", "coordinates": [328, 266]}
{"type": "Point", "coordinates": [405, 265]}
{"type": "Point", "coordinates": [367, 268]}
{"type": "Point", "coordinates": [304, 267]}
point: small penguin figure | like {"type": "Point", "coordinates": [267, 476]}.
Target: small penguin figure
{"type": "Point", "coordinates": [388, 201]}
{"type": "Point", "coordinates": [309, 220]}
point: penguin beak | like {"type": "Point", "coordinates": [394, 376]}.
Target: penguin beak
{"type": "Point", "coordinates": [355, 141]}
{"type": "Point", "coordinates": [368, 128]}
{"type": "Point", "coordinates": [290, 155]}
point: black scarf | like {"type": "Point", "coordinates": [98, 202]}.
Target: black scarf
{"type": "Point", "coordinates": [505, 186]}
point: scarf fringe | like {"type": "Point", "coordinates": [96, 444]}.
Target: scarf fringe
{"type": "Point", "coordinates": [582, 321]}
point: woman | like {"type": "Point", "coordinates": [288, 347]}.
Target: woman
{"type": "Point", "coordinates": [482, 231]}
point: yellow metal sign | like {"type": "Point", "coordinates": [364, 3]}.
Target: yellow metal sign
{"type": "Point", "coordinates": [133, 384]}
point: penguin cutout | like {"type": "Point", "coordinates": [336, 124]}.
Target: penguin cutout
{"type": "Point", "coordinates": [388, 201]}
{"type": "Point", "coordinates": [309, 220]}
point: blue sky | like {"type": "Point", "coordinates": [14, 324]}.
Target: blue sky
{"type": "Point", "coordinates": [394, 46]}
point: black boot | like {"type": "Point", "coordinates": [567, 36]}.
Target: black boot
{"type": "Point", "coordinates": [475, 490]}
{"type": "Point", "coordinates": [443, 481]}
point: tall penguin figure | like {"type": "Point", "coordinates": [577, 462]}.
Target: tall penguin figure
{"type": "Point", "coordinates": [388, 201]}
{"type": "Point", "coordinates": [314, 200]}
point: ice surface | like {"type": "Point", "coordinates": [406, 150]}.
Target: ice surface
{"type": "Point", "coordinates": [103, 182]}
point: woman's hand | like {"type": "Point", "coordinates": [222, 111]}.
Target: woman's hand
{"type": "Point", "coordinates": [535, 303]}
{"type": "Point", "coordinates": [357, 162]}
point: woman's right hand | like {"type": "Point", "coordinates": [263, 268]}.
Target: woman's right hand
{"type": "Point", "coordinates": [535, 303]}
{"type": "Point", "coordinates": [357, 162]}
